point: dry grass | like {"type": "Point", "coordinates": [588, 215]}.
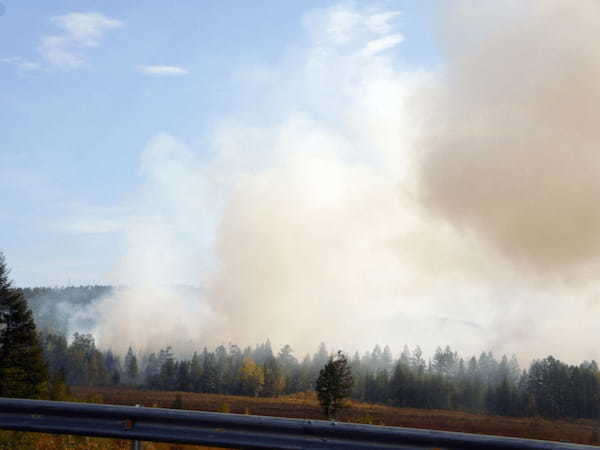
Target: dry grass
{"type": "Point", "coordinates": [305, 406]}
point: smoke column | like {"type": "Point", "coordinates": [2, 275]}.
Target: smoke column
{"type": "Point", "coordinates": [364, 203]}
{"type": "Point", "coordinates": [513, 147]}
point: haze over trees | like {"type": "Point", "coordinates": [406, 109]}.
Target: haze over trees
{"type": "Point", "coordinates": [445, 380]}
{"type": "Point", "coordinates": [53, 307]}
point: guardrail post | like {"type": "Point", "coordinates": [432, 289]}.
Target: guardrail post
{"type": "Point", "coordinates": [136, 445]}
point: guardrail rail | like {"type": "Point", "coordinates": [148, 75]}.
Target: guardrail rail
{"type": "Point", "coordinates": [236, 430]}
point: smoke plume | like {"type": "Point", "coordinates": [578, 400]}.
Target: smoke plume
{"type": "Point", "coordinates": [371, 203]}
{"type": "Point", "coordinates": [513, 148]}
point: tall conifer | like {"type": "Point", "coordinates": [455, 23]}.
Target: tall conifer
{"type": "Point", "coordinates": [334, 384]}
{"type": "Point", "coordinates": [23, 371]}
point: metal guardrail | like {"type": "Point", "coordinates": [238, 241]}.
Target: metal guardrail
{"type": "Point", "coordinates": [237, 431]}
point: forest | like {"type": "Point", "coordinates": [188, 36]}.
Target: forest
{"type": "Point", "coordinates": [444, 380]}
{"type": "Point", "coordinates": [547, 388]}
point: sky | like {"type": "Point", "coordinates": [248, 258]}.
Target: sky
{"type": "Point", "coordinates": [87, 84]}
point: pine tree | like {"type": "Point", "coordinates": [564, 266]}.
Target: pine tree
{"type": "Point", "coordinates": [321, 357]}
{"type": "Point", "coordinates": [131, 365]}
{"type": "Point", "coordinates": [183, 380]}
{"type": "Point", "coordinates": [286, 358]}
{"type": "Point", "coordinates": [387, 360]}
{"type": "Point", "coordinates": [334, 384]}
{"type": "Point", "coordinates": [210, 376]}
{"type": "Point", "coordinates": [23, 371]}
{"type": "Point", "coordinates": [152, 366]}
{"type": "Point", "coordinates": [273, 378]}
{"type": "Point", "coordinates": [168, 372]}
{"type": "Point", "coordinates": [196, 373]}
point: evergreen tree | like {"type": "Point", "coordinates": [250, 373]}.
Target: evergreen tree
{"type": "Point", "coordinates": [334, 384]}
{"type": "Point", "coordinates": [387, 360]}
{"type": "Point", "coordinates": [115, 378]}
{"type": "Point", "coordinates": [222, 368]}
{"type": "Point", "coordinates": [152, 371]}
{"type": "Point", "coordinates": [55, 351]}
{"type": "Point", "coordinates": [112, 362]}
{"type": "Point", "coordinates": [376, 357]}
{"type": "Point", "coordinates": [320, 358]}
{"type": "Point", "coordinates": [131, 366]}
{"type": "Point", "coordinates": [402, 384]}
{"type": "Point", "coordinates": [286, 358]}
{"type": "Point", "coordinates": [263, 352]}
{"type": "Point", "coordinates": [273, 378]}
{"type": "Point", "coordinates": [23, 371]}
{"type": "Point", "coordinates": [183, 381]}
{"type": "Point", "coordinates": [195, 372]}
{"type": "Point", "coordinates": [405, 356]}
{"type": "Point", "coordinates": [79, 356]}
{"type": "Point", "coordinates": [168, 372]}
{"type": "Point", "coordinates": [209, 378]}
{"type": "Point", "coordinates": [418, 362]}
{"type": "Point", "coordinates": [305, 379]}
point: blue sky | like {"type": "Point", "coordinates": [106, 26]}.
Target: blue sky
{"type": "Point", "coordinates": [85, 86]}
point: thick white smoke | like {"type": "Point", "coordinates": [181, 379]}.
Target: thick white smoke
{"type": "Point", "coordinates": [373, 204]}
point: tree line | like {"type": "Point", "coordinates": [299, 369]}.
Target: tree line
{"type": "Point", "coordinates": [548, 388]}
{"type": "Point", "coordinates": [40, 365]}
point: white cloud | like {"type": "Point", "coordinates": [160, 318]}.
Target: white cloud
{"type": "Point", "coordinates": [86, 28]}
{"type": "Point", "coordinates": [379, 45]}
{"type": "Point", "coordinates": [380, 23]}
{"type": "Point", "coordinates": [56, 51]}
{"type": "Point", "coordinates": [22, 64]}
{"type": "Point", "coordinates": [79, 30]}
{"type": "Point", "coordinates": [92, 225]}
{"type": "Point", "coordinates": [163, 70]}
{"type": "Point", "coordinates": [90, 219]}
{"type": "Point", "coordinates": [344, 26]}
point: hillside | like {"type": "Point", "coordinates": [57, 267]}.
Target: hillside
{"type": "Point", "coordinates": [305, 406]}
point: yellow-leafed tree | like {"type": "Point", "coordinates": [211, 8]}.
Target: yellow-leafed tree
{"type": "Point", "coordinates": [252, 377]}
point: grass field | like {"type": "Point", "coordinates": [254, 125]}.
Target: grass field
{"type": "Point", "coordinates": [305, 406]}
